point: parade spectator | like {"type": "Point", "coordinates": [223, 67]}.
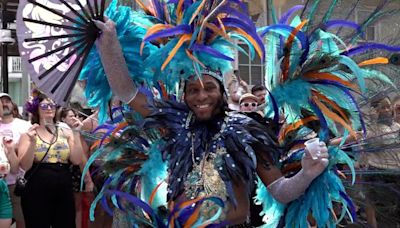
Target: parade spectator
{"type": "Point", "coordinates": [69, 116]}
{"type": "Point", "coordinates": [396, 109]}
{"type": "Point", "coordinates": [248, 103]}
{"type": "Point", "coordinates": [45, 152]}
{"type": "Point", "coordinates": [384, 158]}
{"type": "Point", "coordinates": [13, 126]}
{"type": "Point", "coordinates": [260, 92]}
{"type": "Point", "coordinates": [236, 88]}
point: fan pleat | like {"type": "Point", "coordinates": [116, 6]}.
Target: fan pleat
{"type": "Point", "coordinates": [56, 13]}
{"type": "Point", "coordinates": [54, 25]}
{"type": "Point", "coordinates": [57, 50]}
{"type": "Point", "coordinates": [44, 74]}
{"type": "Point", "coordinates": [54, 37]}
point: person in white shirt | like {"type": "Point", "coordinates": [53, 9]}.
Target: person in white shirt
{"type": "Point", "coordinates": [13, 128]}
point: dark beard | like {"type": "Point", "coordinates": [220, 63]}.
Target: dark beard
{"type": "Point", "coordinates": [7, 112]}
{"type": "Point", "coordinates": [385, 120]}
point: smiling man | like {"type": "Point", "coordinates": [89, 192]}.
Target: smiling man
{"type": "Point", "coordinates": [210, 151]}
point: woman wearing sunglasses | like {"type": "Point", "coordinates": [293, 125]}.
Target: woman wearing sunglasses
{"type": "Point", "coordinates": [45, 153]}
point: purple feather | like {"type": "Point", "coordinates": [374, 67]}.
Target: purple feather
{"type": "Point", "coordinates": [237, 14]}
{"type": "Point", "coordinates": [301, 36]}
{"type": "Point", "coordinates": [107, 134]}
{"type": "Point", "coordinates": [350, 203]}
{"type": "Point", "coordinates": [371, 46]}
{"type": "Point", "coordinates": [237, 23]}
{"type": "Point", "coordinates": [158, 9]}
{"type": "Point", "coordinates": [105, 206]}
{"type": "Point", "coordinates": [138, 203]}
{"type": "Point", "coordinates": [178, 30]}
{"type": "Point", "coordinates": [342, 23]}
{"type": "Point", "coordinates": [210, 51]}
{"type": "Point", "coordinates": [249, 29]}
{"type": "Point", "coordinates": [285, 17]}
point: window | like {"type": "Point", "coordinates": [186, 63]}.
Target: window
{"type": "Point", "coordinates": [16, 65]}
{"type": "Point", "coordinates": [370, 32]}
{"type": "Point", "coordinates": [250, 71]}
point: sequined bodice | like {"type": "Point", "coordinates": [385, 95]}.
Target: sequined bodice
{"type": "Point", "coordinates": [204, 181]}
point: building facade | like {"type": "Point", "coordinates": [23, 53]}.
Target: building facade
{"type": "Point", "coordinates": [385, 30]}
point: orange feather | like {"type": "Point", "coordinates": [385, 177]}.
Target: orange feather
{"type": "Point", "coordinates": [377, 60]}
{"type": "Point", "coordinates": [294, 126]}
{"type": "Point", "coordinates": [183, 39]}
{"type": "Point", "coordinates": [250, 39]}
{"type": "Point", "coordinates": [332, 104]}
{"type": "Point", "coordinates": [333, 116]}
{"type": "Point", "coordinates": [119, 127]}
{"type": "Point", "coordinates": [330, 77]}
{"type": "Point", "coordinates": [193, 217]}
{"type": "Point", "coordinates": [288, 46]}
{"type": "Point", "coordinates": [153, 193]}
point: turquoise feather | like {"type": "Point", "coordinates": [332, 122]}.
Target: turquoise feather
{"type": "Point", "coordinates": [152, 173]}
{"type": "Point", "coordinates": [311, 14]}
{"type": "Point", "coordinates": [355, 69]}
{"type": "Point", "coordinates": [328, 13]}
{"type": "Point", "coordinates": [272, 209]}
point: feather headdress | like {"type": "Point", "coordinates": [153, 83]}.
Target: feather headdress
{"type": "Point", "coordinates": [172, 41]}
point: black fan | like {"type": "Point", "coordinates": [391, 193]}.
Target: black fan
{"type": "Point", "coordinates": [55, 39]}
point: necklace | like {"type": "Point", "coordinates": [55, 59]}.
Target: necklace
{"type": "Point", "coordinates": [200, 167]}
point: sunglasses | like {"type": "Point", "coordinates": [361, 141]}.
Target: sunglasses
{"type": "Point", "coordinates": [248, 104]}
{"type": "Point", "coordinates": [45, 106]}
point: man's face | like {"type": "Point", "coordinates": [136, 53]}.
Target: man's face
{"type": "Point", "coordinates": [203, 99]}
{"type": "Point", "coordinates": [396, 109]}
{"type": "Point", "coordinates": [248, 105]}
{"type": "Point", "coordinates": [260, 94]}
{"type": "Point", "coordinates": [385, 111]}
{"type": "Point", "coordinates": [7, 106]}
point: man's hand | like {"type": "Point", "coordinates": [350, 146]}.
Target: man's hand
{"type": "Point", "coordinates": [108, 34]}
{"type": "Point", "coordinates": [314, 167]}
{"type": "Point", "coordinates": [9, 145]}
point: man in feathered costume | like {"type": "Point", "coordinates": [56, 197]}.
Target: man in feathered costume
{"type": "Point", "coordinates": [211, 158]}
{"type": "Point", "coordinates": [211, 152]}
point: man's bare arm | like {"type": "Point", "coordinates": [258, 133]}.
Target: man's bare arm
{"type": "Point", "coordinates": [285, 189]}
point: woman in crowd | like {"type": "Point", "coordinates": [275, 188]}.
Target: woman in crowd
{"type": "Point", "coordinates": [45, 152]}
{"type": "Point", "coordinates": [69, 116]}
